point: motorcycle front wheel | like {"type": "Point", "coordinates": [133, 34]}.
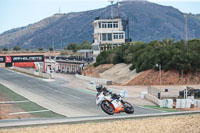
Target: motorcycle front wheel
{"type": "Point", "coordinates": [128, 108]}
{"type": "Point", "coordinates": [107, 108]}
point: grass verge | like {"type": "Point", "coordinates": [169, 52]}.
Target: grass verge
{"type": "Point", "coordinates": [27, 106]}
{"type": "Point", "coordinates": [159, 108]}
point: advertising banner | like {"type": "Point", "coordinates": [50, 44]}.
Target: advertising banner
{"type": "Point", "coordinates": [29, 58]}
{"type": "Point", "coordinates": [8, 59]}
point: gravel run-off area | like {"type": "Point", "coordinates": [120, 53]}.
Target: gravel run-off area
{"type": "Point", "coordinates": [167, 124]}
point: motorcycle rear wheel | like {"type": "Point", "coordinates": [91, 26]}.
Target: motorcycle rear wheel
{"type": "Point", "coordinates": [128, 108]}
{"type": "Point", "coordinates": [107, 108]}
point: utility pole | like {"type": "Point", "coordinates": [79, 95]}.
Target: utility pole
{"type": "Point", "coordinates": [52, 43]}
{"type": "Point", "coordinates": [186, 27]}
{"type": "Point", "coordinates": [193, 33]}
{"type": "Point", "coordinates": [160, 78]}
{"type": "Point", "coordinates": [61, 38]}
{"type": "Point", "coordinates": [160, 74]}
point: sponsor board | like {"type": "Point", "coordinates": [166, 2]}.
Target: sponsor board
{"type": "Point", "coordinates": [29, 58]}
{"type": "Point", "coordinates": [26, 58]}
{"type": "Point", "coordinates": [8, 59]}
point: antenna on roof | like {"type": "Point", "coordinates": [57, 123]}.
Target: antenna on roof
{"type": "Point", "coordinates": [118, 5]}
{"type": "Point", "coordinates": [111, 1]}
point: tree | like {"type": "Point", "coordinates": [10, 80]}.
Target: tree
{"type": "Point", "coordinates": [16, 48]}
{"type": "Point", "coordinates": [73, 47]}
{"type": "Point", "coordinates": [40, 49]}
{"type": "Point", "coordinates": [65, 48]}
{"type": "Point", "coordinates": [85, 45]}
{"type": "Point", "coordinates": [170, 54]}
{"type": "Point", "coordinates": [5, 49]}
{"type": "Point", "coordinates": [27, 49]}
{"type": "Point", "coordinates": [51, 49]}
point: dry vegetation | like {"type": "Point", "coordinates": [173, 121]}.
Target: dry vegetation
{"type": "Point", "coordinates": [171, 77]}
{"type": "Point", "coordinates": [94, 71]}
{"type": "Point", "coordinates": [171, 124]}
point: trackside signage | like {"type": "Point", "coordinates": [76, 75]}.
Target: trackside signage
{"type": "Point", "coordinates": [8, 59]}
{"type": "Point", "coordinates": [26, 58]}
{"type": "Point", "coordinates": [30, 58]}
{"type": "Point", "coordinates": [2, 59]}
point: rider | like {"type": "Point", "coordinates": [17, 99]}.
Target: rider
{"type": "Point", "coordinates": [107, 91]}
{"type": "Point", "coordinates": [100, 88]}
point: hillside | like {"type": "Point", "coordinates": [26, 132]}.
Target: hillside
{"type": "Point", "coordinates": [25, 36]}
{"type": "Point", "coordinates": [148, 21]}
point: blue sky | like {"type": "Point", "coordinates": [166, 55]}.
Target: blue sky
{"type": "Point", "coordinates": [17, 13]}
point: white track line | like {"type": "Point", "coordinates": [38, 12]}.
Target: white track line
{"type": "Point", "coordinates": [18, 113]}
{"type": "Point", "coordinates": [12, 102]}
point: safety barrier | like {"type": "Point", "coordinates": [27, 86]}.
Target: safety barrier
{"type": "Point", "coordinates": [166, 103]}
{"type": "Point", "coordinates": [33, 72]}
{"type": "Point", "coordinates": [187, 103]}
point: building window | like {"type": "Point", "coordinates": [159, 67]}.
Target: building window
{"type": "Point", "coordinates": [121, 36]}
{"type": "Point", "coordinates": [104, 37]}
{"type": "Point", "coordinates": [109, 24]}
{"type": "Point", "coordinates": [115, 36]}
{"type": "Point", "coordinates": [118, 36]}
{"type": "Point", "coordinates": [109, 36]}
{"type": "Point", "coordinates": [115, 25]}
{"type": "Point", "coordinates": [104, 25]}
{"type": "Point", "coordinates": [99, 24]}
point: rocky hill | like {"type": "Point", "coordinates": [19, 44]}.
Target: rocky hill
{"type": "Point", "coordinates": [148, 21]}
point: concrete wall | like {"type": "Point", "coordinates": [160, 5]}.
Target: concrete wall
{"type": "Point", "coordinates": [153, 91]}
{"type": "Point", "coordinates": [33, 72]}
{"type": "Point", "coordinates": [96, 80]}
{"type": "Point", "coordinates": [152, 98]}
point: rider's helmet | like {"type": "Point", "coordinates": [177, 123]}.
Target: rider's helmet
{"type": "Point", "coordinates": [99, 88]}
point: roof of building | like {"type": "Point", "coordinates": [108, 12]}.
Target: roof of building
{"type": "Point", "coordinates": [71, 61]}
{"type": "Point", "coordinates": [85, 50]}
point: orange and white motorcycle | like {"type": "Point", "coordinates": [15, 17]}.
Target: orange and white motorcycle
{"type": "Point", "coordinates": [112, 103]}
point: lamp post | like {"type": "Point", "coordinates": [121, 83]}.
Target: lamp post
{"type": "Point", "coordinates": [160, 74]}
{"type": "Point", "coordinates": [61, 38]}
{"type": "Point", "coordinates": [160, 78]}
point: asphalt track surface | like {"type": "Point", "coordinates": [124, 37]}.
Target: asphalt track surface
{"type": "Point", "coordinates": [70, 102]}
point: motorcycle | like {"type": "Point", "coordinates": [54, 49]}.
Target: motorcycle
{"type": "Point", "coordinates": [112, 103]}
